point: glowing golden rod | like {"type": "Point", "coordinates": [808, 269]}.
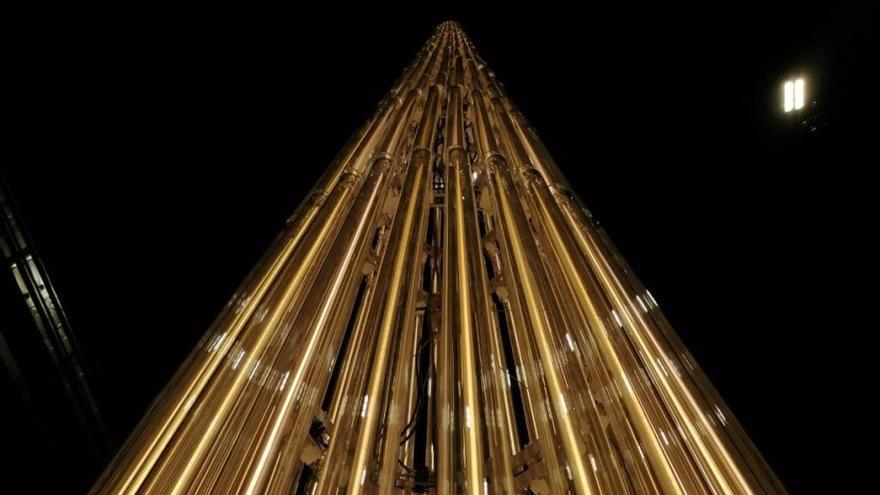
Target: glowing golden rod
{"type": "Point", "coordinates": [441, 315]}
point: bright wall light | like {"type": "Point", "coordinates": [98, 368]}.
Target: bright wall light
{"type": "Point", "coordinates": [793, 95]}
{"type": "Point", "coordinates": [798, 94]}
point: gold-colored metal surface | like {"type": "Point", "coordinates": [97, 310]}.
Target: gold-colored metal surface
{"type": "Point", "coordinates": [442, 315]}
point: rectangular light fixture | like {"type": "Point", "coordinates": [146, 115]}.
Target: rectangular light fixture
{"type": "Point", "coordinates": [793, 95]}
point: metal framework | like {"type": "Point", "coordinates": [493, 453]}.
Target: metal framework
{"type": "Point", "coordinates": [44, 307]}
{"type": "Point", "coordinates": [441, 315]}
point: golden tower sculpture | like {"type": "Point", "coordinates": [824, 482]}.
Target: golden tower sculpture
{"type": "Point", "coordinates": [442, 315]}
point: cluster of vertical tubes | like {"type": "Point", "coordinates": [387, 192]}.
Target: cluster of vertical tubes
{"type": "Point", "coordinates": [441, 316]}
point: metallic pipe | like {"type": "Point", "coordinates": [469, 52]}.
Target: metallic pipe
{"type": "Point", "coordinates": [441, 316]}
{"type": "Point", "coordinates": [350, 411]}
{"type": "Point", "coordinates": [403, 360]}
{"type": "Point", "coordinates": [556, 238]}
{"type": "Point", "coordinates": [199, 436]}
{"type": "Point", "coordinates": [403, 246]}
{"type": "Point", "coordinates": [141, 452]}
{"type": "Point", "coordinates": [524, 250]}
{"type": "Point", "coordinates": [298, 358]}
{"type": "Point", "coordinates": [459, 315]}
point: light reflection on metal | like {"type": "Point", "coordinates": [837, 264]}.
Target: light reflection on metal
{"type": "Point", "coordinates": [442, 315]}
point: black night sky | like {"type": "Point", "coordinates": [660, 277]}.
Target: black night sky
{"type": "Point", "coordinates": [157, 153]}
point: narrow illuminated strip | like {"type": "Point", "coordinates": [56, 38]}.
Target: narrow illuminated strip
{"type": "Point", "coordinates": [798, 94]}
{"type": "Point", "coordinates": [788, 96]}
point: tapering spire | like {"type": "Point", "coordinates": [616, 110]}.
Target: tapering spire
{"type": "Point", "coordinates": [441, 315]}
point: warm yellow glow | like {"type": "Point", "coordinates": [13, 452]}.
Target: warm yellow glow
{"type": "Point", "coordinates": [378, 349]}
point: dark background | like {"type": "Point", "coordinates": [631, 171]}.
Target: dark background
{"type": "Point", "coordinates": [157, 153]}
